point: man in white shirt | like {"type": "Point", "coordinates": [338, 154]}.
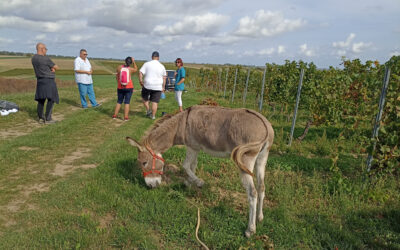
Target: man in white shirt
{"type": "Point", "coordinates": [83, 77]}
{"type": "Point", "coordinates": [155, 76]}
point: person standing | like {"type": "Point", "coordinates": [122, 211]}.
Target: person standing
{"type": "Point", "coordinates": [46, 87]}
{"type": "Point", "coordinates": [179, 82]}
{"type": "Point", "coordinates": [125, 86]}
{"type": "Point", "coordinates": [153, 85]}
{"type": "Point", "coordinates": [83, 77]}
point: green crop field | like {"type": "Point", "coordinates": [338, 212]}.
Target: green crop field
{"type": "Point", "coordinates": [76, 183]}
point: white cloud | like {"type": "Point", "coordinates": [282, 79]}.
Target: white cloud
{"type": "Point", "coordinates": [40, 37]}
{"type": "Point", "coordinates": [267, 52]}
{"type": "Point", "coordinates": [267, 24]}
{"type": "Point", "coordinates": [163, 40]}
{"type": "Point", "coordinates": [205, 24]}
{"type": "Point", "coordinates": [79, 38]}
{"type": "Point", "coordinates": [345, 44]}
{"type": "Point", "coordinates": [135, 16]}
{"type": "Point", "coordinates": [127, 45]}
{"type": "Point", "coordinates": [5, 40]}
{"type": "Point", "coordinates": [281, 49]}
{"type": "Point", "coordinates": [195, 6]}
{"type": "Point", "coordinates": [359, 47]}
{"type": "Point", "coordinates": [341, 52]}
{"type": "Point", "coordinates": [143, 16]}
{"type": "Point", "coordinates": [44, 10]}
{"type": "Point", "coordinates": [229, 52]}
{"type": "Point", "coordinates": [249, 53]}
{"type": "Point", "coordinates": [20, 23]}
{"type": "Point", "coordinates": [189, 46]}
{"type": "Point", "coordinates": [306, 51]}
{"type": "Point", "coordinates": [394, 53]}
{"type": "Point", "coordinates": [222, 39]}
{"type": "Point", "coordinates": [349, 46]}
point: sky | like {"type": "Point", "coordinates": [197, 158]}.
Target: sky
{"type": "Point", "coordinates": [206, 31]}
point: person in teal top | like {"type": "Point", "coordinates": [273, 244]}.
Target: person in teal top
{"type": "Point", "coordinates": [179, 82]}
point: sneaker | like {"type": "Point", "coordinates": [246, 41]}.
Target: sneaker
{"type": "Point", "coordinates": [153, 117]}
{"type": "Point", "coordinates": [114, 117]}
{"type": "Point", "coordinates": [41, 121]}
{"type": "Point", "coordinates": [148, 113]}
{"type": "Point", "coordinates": [126, 119]}
{"type": "Point", "coordinates": [97, 105]}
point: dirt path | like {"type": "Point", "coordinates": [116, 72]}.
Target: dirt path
{"type": "Point", "coordinates": [30, 124]}
{"type": "Point", "coordinates": [21, 199]}
{"type": "Point", "coordinates": [67, 164]}
{"type": "Point", "coordinates": [39, 178]}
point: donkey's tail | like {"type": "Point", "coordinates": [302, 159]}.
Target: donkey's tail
{"type": "Point", "coordinates": [250, 149]}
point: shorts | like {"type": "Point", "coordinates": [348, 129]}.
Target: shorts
{"type": "Point", "coordinates": [124, 95]}
{"type": "Point", "coordinates": [151, 95]}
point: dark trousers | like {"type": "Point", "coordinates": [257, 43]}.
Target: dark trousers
{"type": "Point", "coordinates": [49, 109]}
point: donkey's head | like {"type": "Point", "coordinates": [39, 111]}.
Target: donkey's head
{"type": "Point", "coordinates": [152, 164]}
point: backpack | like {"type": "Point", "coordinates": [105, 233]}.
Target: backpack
{"type": "Point", "coordinates": [124, 76]}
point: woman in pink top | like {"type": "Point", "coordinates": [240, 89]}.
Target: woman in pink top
{"type": "Point", "coordinates": [125, 90]}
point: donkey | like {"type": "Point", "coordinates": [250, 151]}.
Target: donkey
{"type": "Point", "coordinates": [244, 135]}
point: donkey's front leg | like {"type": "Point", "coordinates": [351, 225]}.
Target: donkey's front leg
{"type": "Point", "coordinates": [189, 165]}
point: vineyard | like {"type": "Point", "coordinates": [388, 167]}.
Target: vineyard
{"type": "Point", "coordinates": [346, 98]}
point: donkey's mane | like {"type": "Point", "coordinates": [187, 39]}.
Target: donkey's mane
{"type": "Point", "coordinates": [155, 126]}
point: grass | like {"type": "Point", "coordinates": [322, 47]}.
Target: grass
{"type": "Point", "coordinates": [307, 204]}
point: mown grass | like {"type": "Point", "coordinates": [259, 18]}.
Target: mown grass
{"type": "Point", "coordinates": [110, 207]}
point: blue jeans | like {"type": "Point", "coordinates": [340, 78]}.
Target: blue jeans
{"type": "Point", "coordinates": [87, 89]}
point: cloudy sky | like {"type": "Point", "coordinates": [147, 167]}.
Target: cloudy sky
{"type": "Point", "coordinates": [206, 31]}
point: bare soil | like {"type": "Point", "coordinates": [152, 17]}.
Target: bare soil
{"type": "Point", "coordinates": [67, 164]}
{"type": "Point", "coordinates": [18, 85]}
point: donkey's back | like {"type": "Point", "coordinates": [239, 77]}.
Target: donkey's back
{"type": "Point", "coordinates": [219, 130]}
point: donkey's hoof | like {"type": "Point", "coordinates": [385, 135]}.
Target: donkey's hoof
{"type": "Point", "coordinates": [187, 183]}
{"type": "Point", "coordinates": [200, 183]}
{"type": "Point", "coordinates": [249, 233]}
{"type": "Point", "coordinates": [260, 217]}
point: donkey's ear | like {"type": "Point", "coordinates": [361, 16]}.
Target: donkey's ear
{"type": "Point", "coordinates": [135, 144]}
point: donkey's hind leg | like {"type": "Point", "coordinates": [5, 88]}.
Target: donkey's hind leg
{"type": "Point", "coordinates": [260, 174]}
{"type": "Point", "coordinates": [190, 165]}
{"type": "Point", "coordinates": [251, 192]}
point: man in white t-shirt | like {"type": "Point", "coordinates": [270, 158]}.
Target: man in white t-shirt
{"type": "Point", "coordinates": [83, 77]}
{"type": "Point", "coordinates": [155, 76]}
